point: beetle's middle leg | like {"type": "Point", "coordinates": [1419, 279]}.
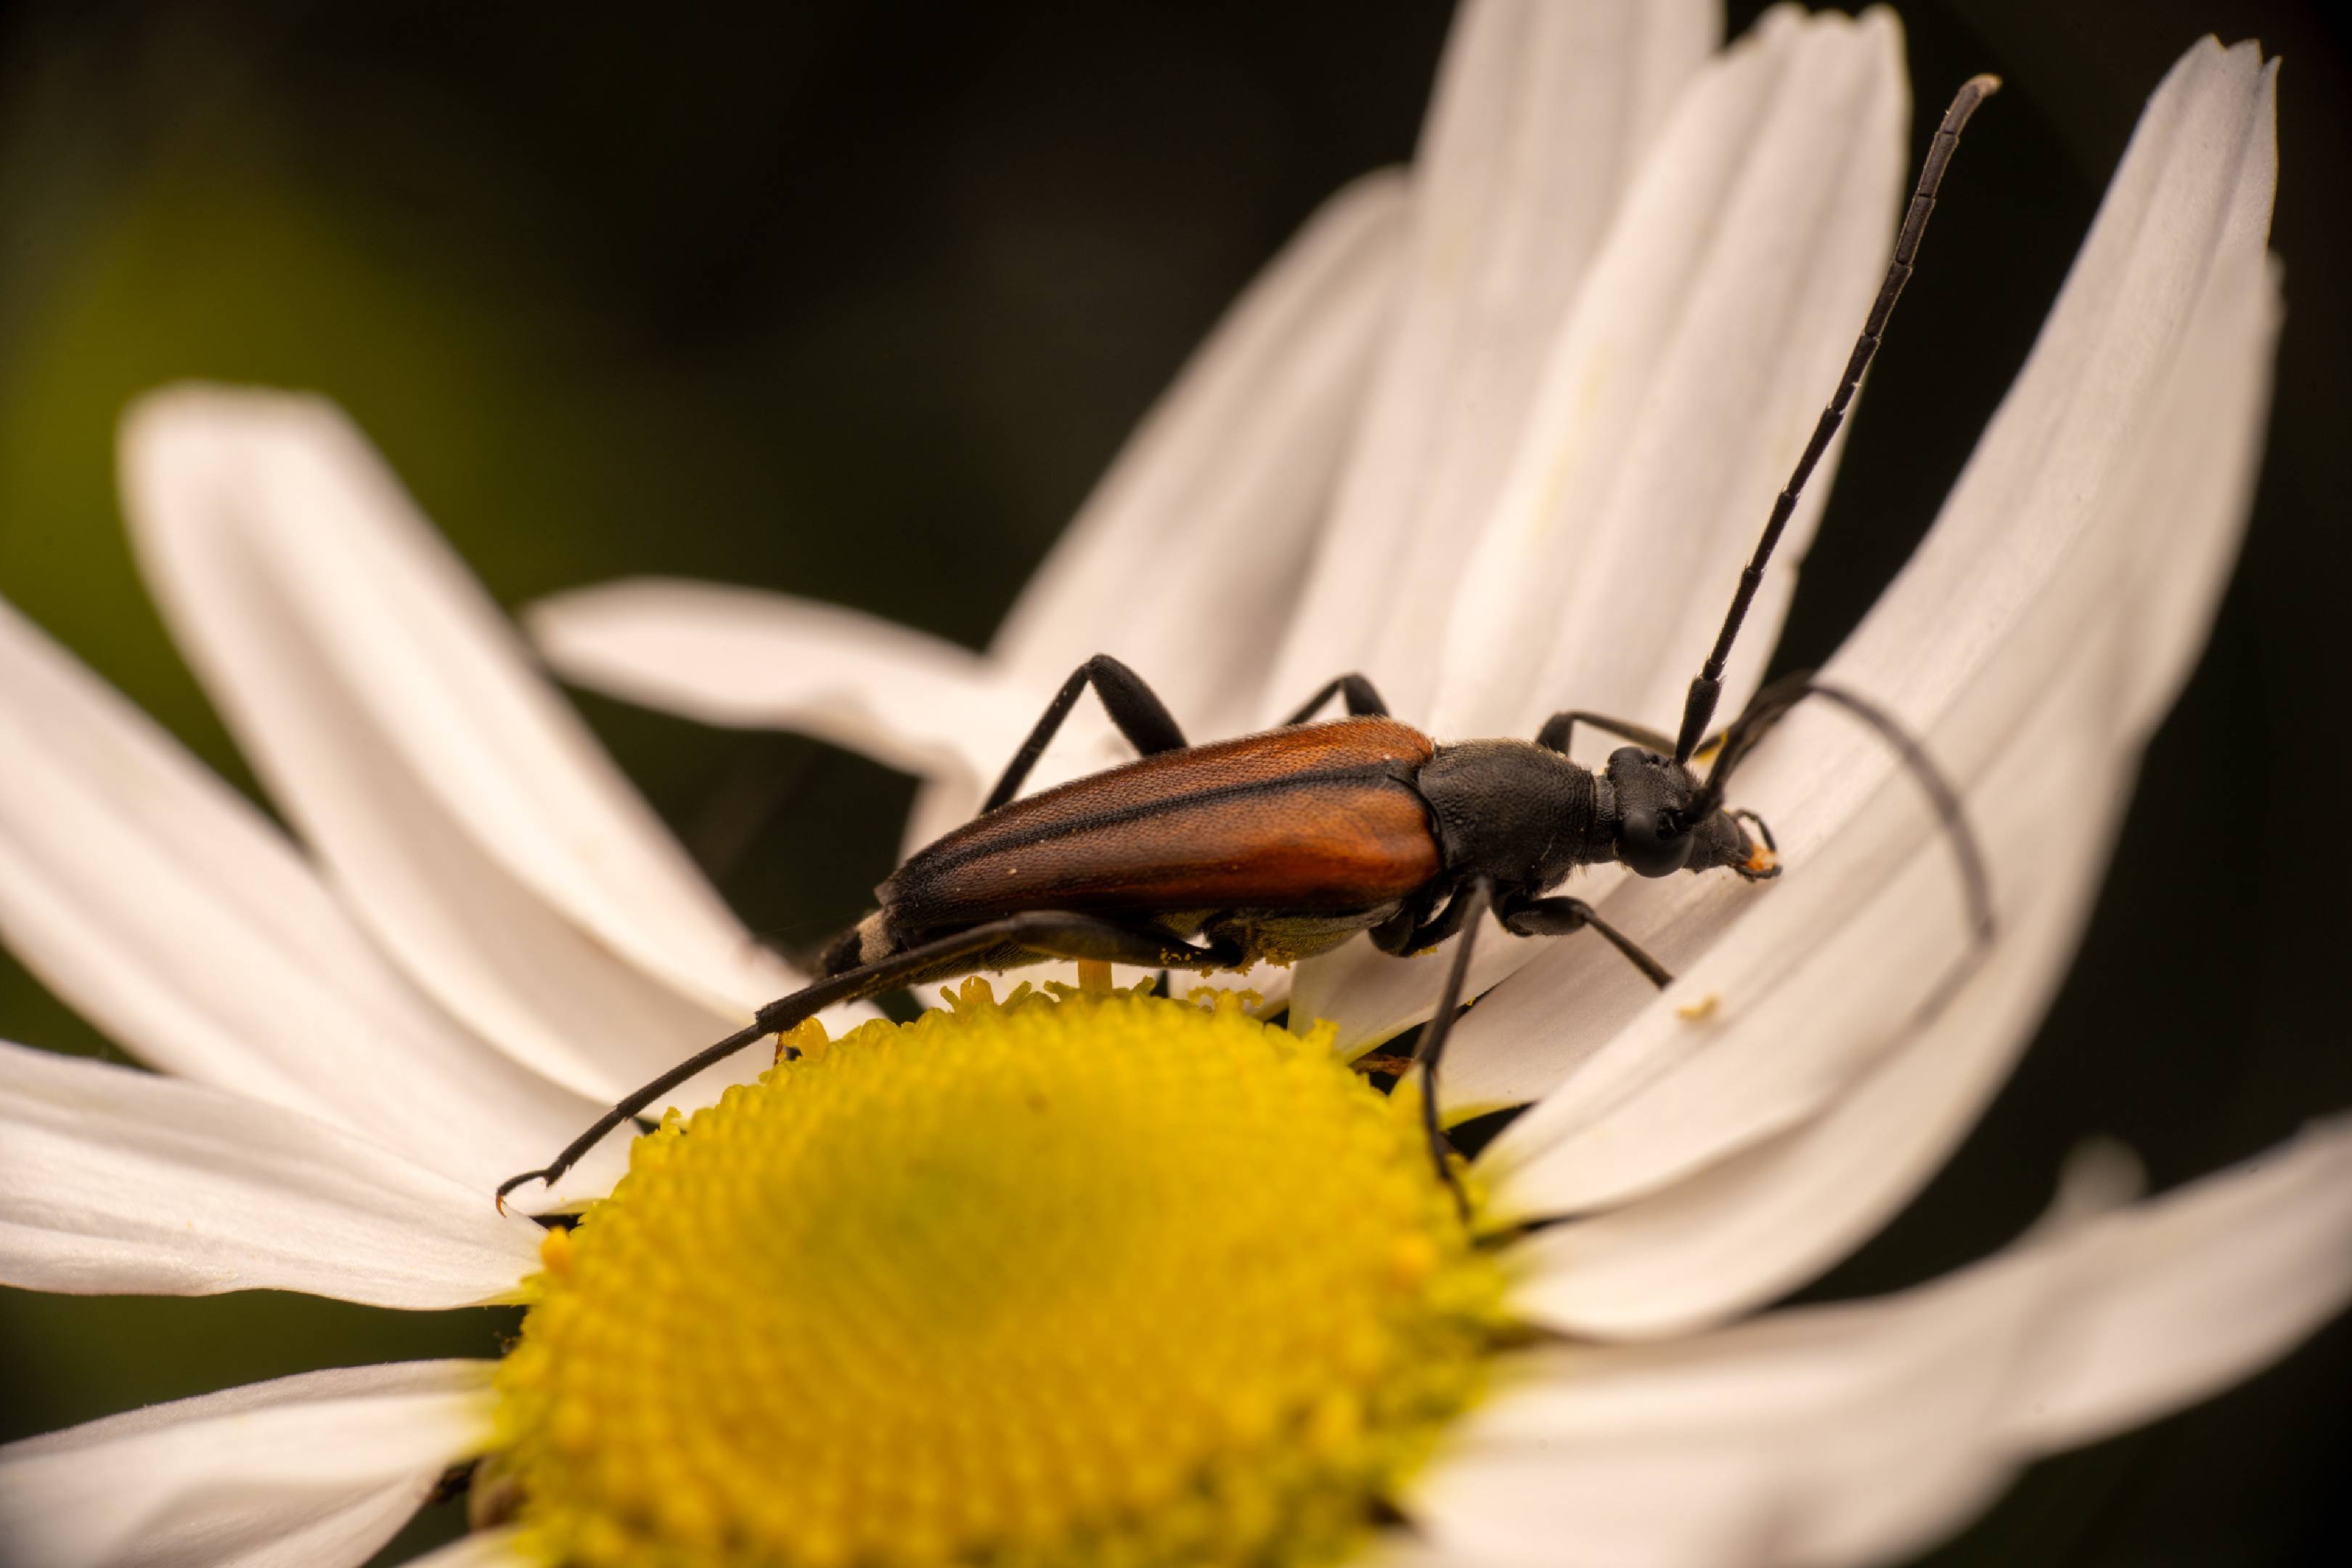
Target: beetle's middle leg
{"type": "Point", "coordinates": [1133, 706]}
{"type": "Point", "coordinates": [1560, 916]}
{"type": "Point", "coordinates": [1361, 700]}
{"type": "Point", "coordinates": [1413, 929]}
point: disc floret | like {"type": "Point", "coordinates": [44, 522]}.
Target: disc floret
{"type": "Point", "coordinates": [1072, 1278]}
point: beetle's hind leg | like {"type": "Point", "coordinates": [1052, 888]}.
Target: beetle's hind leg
{"type": "Point", "coordinates": [1131, 704]}
{"type": "Point", "coordinates": [1053, 933]}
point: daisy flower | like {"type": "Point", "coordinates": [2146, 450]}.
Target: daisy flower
{"type": "Point", "coordinates": [1112, 1277]}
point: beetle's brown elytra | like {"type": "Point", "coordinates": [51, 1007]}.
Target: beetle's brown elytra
{"type": "Point", "coordinates": [1325, 817]}
{"type": "Point", "coordinates": [1283, 845]}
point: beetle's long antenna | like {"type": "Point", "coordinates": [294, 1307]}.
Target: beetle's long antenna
{"type": "Point", "coordinates": [1698, 708]}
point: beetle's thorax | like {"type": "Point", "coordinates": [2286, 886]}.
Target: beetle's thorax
{"type": "Point", "coordinates": [1515, 813]}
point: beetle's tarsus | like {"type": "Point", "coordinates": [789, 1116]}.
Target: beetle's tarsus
{"type": "Point", "coordinates": [511, 1183]}
{"type": "Point", "coordinates": [1440, 1149]}
{"type": "Point", "coordinates": [1441, 1152]}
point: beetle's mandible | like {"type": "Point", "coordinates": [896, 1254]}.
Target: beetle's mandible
{"type": "Point", "coordinates": [1285, 844]}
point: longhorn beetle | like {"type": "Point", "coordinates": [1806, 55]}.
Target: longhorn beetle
{"type": "Point", "coordinates": [1284, 845]}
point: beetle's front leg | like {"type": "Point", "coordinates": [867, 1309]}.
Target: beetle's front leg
{"type": "Point", "coordinates": [1560, 916]}
{"type": "Point", "coordinates": [1561, 728]}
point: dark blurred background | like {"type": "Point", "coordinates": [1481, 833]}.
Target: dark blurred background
{"type": "Point", "coordinates": [855, 301]}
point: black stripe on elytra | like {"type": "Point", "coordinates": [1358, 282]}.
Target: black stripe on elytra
{"type": "Point", "coordinates": [943, 859]}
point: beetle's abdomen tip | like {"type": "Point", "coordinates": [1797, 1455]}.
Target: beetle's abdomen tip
{"type": "Point", "coordinates": [867, 941]}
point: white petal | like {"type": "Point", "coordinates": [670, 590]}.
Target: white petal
{"type": "Point", "coordinates": [460, 804]}
{"type": "Point", "coordinates": [1678, 393]}
{"type": "Point", "coordinates": [1749, 1228]}
{"type": "Point", "coordinates": [1683, 386]}
{"type": "Point", "coordinates": [742, 658]}
{"type": "Point", "coordinates": [483, 1549]}
{"type": "Point", "coordinates": [1740, 1232]}
{"type": "Point", "coordinates": [303, 1472]}
{"type": "Point", "coordinates": [2040, 549]}
{"type": "Point", "coordinates": [1859, 1433]}
{"type": "Point", "coordinates": [172, 913]}
{"type": "Point", "coordinates": [1839, 968]}
{"type": "Point", "coordinates": [1543, 111]}
{"type": "Point", "coordinates": [114, 1181]}
{"type": "Point", "coordinates": [2168, 1302]}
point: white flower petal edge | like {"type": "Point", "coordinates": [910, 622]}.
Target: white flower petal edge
{"type": "Point", "coordinates": [2022, 643]}
{"type": "Point", "coordinates": [1684, 385]}
{"type": "Point", "coordinates": [1855, 1433]}
{"type": "Point", "coordinates": [312, 1471]}
{"type": "Point", "coordinates": [742, 657]}
{"type": "Point", "coordinates": [1543, 114]}
{"type": "Point", "coordinates": [1741, 1231]}
{"type": "Point", "coordinates": [115, 1181]}
{"type": "Point", "coordinates": [1677, 394]}
{"type": "Point", "coordinates": [168, 911]}
{"type": "Point", "coordinates": [464, 812]}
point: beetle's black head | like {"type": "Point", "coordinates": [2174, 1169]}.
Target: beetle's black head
{"type": "Point", "coordinates": [1655, 834]}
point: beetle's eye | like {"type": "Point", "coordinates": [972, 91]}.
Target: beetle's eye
{"type": "Point", "coordinates": [1649, 842]}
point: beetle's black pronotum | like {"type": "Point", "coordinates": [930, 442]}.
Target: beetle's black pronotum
{"type": "Point", "coordinates": [1285, 844]}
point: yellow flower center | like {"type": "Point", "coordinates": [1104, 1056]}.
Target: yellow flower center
{"type": "Point", "coordinates": [1075, 1279]}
